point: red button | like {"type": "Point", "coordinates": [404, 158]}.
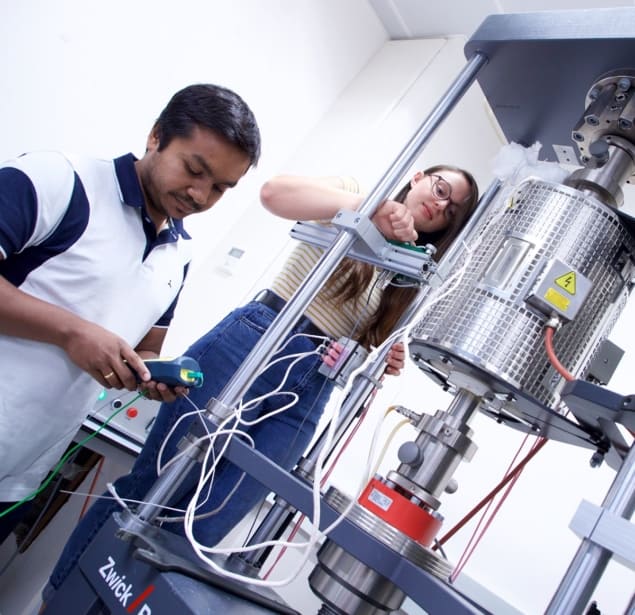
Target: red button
{"type": "Point", "coordinates": [132, 412]}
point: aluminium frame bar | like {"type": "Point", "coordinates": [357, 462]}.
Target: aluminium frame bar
{"type": "Point", "coordinates": [589, 563]}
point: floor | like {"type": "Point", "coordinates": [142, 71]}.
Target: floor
{"type": "Point", "coordinates": [24, 575]}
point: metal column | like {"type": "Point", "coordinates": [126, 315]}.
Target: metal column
{"type": "Point", "coordinates": [589, 563]}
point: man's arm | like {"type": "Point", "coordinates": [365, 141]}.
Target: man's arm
{"type": "Point", "coordinates": [150, 346]}
{"type": "Point", "coordinates": [31, 211]}
{"type": "Point", "coordinates": [91, 347]}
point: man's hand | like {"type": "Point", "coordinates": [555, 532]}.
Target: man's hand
{"type": "Point", "coordinates": [159, 391]}
{"type": "Point", "coordinates": [395, 221]}
{"type": "Point", "coordinates": [105, 356]}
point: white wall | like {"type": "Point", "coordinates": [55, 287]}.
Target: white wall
{"type": "Point", "coordinates": [361, 135]}
{"type": "Point", "coordinates": [91, 77]}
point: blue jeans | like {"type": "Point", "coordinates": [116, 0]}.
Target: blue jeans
{"type": "Point", "coordinates": [282, 438]}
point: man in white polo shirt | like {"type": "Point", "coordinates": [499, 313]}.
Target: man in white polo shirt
{"type": "Point", "coordinates": [93, 255]}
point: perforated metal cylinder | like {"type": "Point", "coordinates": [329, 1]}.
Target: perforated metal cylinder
{"type": "Point", "coordinates": [485, 320]}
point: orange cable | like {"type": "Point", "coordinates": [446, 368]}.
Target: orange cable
{"type": "Point", "coordinates": [510, 476]}
{"type": "Point", "coordinates": [553, 359]}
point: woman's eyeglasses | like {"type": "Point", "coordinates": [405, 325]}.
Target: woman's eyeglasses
{"type": "Point", "coordinates": [442, 193]}
{"type": "Point", "coordinates": [441, 189]}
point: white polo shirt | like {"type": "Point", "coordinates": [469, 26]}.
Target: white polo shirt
{"type": "Point", "coordinates": [74, 232]}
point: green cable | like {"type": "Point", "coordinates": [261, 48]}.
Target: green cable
{"type": "Point", "coordinates": [62, 461]}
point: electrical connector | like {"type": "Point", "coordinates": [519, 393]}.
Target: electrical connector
{"type": "Point", "coordinates": [351, 357]}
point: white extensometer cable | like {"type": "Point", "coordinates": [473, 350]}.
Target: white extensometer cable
{"type": "Point", "coordinates": [433, 298]}
{"type": "Point", "coordinates": [206, 475]}
{"type": "Point", "coordinates": [207, 470]}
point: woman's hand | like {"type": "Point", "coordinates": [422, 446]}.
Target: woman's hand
{"type": "Point", "coordinates": [332, 353]}
{"type": "Point", "coordinates": [395, 359]}
{"type": "Point", "coordinates": [394, 221]}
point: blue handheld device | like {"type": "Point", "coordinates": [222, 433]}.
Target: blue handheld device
{"type": "Point", "coordinates": [181, 371]}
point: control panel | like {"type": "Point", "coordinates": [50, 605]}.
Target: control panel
{"type": "Point", "coordinates": [134, 419]}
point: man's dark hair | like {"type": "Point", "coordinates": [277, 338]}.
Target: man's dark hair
{"type": "Point", "coordinates": [215, 108]}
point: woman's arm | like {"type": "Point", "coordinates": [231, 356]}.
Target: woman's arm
{"type": "Point", "coordinates": [320, 198]}
{"type": "Point", "coordinates": [307, 198]}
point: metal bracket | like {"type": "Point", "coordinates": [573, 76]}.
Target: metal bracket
{"type": "Point", "coordinates": [371, 247]}
{"type": "Point", "coordinates": [363, 229]}
{"type": "Point", "coordinates": [352, 356]}
{"type": "Point", "coordinates": [607, 530]}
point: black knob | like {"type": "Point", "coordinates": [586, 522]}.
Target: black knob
{"type": "Point", "coordinates": [599, 150]}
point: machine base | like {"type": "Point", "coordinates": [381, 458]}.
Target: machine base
{"type": "Point", "coordinates": [116, 576]}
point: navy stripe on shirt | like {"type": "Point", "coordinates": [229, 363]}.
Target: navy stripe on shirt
{"type": "Point", "coordinates": [18, 209]}
{"type": "Point", "coordinates": [16, 267]}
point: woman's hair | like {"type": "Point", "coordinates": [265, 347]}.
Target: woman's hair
{"type": "Point", "coordinates": [351, 278]}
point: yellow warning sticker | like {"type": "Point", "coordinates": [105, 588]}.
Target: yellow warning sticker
{"type": "Point", "coordinates": [567, 282]}
{"type": "Point", "coordinates": [559, 301]}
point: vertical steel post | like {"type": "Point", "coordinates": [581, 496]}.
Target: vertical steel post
{"type": "Point", "coordinates": [588, 565]}
{"type": "Point", "coordinates": [282, 513]}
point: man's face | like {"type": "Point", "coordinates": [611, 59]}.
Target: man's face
{"type": "Point", "coordinates": [190, 174]}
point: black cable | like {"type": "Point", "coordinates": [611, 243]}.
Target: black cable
{"type": "Point", "coordinates": [40, 516]}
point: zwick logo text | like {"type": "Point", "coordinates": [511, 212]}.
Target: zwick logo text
{"type": "Point", "coordinates": [122, 590]}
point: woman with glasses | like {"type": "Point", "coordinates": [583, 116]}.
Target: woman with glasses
{"type": "Point", "coordinates": [430, 208]}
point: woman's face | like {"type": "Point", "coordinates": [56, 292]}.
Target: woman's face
{"type": "Point", "coordinates": [434, 198]}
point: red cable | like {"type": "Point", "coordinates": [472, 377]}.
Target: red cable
{"type": "Point", "coordinates": [468, 548]}
{"type": "Point", "coordinates": [283, 550]}
{"type": "Point", "coordinates": [539, 444]}
{"type": "Point", "coordinates": [92, 487]}
{"type": "Point", "coordinates": [488, 499]}
{"type": "Point", "coordinates": [475, 541]}
{"type": "Point", "coordinates": [510, 476]}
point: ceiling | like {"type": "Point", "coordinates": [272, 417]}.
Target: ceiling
{"type": "Point", "coordinates": [405, 19]}
{"type": "Point", "coordinates": [520, 78]}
